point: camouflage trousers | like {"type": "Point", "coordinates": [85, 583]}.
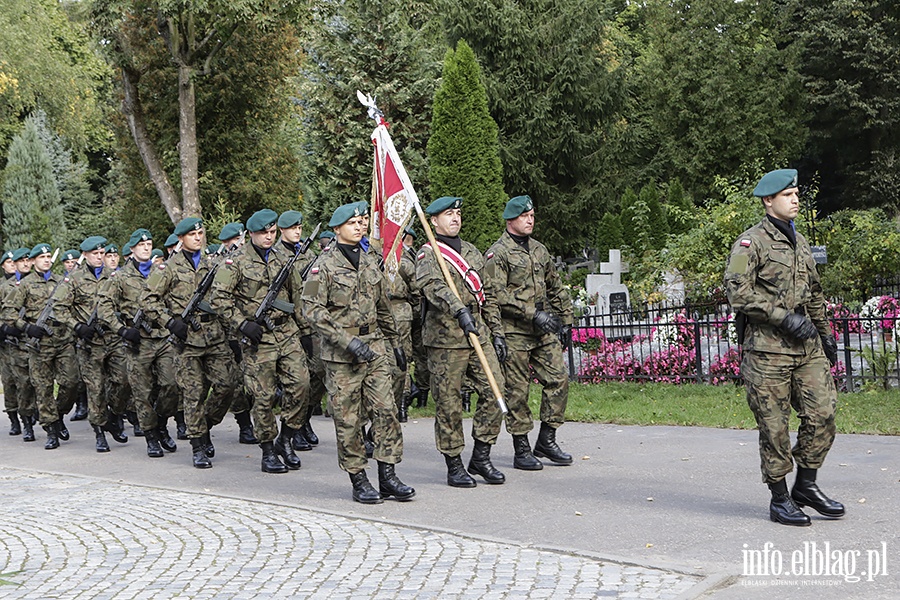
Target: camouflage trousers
{"type": "Point", "coordinates": [207, 379]}
{"type": "Point", "coordinates": [242, 400]}
{"type": "Point", "coordinates": [151, 371]}
{"type": "Point", "coordinates": [103, 364]}
{"type": "Point", "coordinates": [358, 391]}
{"type": "Point", "coordinates": [449, 367]}
{"type": "Point", "coordinates": [54, 363]}
{"type": "Point", "coordinates": [316, 369]}
{"type": "Point", "coordinates": [10, 390]}
{"type": "Point", "coordinates": [20, 386]}
{"type": "Point", "coordinates": [282, 362]}
{"type": "Point", "coordinates": [777, 382]}
{"type": "Point", "coordinates": [528, 358]}
{"type": "Point", "coordinates": [400, 383]}
{"type": "Point", "coordinates": [419, 355]}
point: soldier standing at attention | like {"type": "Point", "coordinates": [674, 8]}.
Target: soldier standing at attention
{"type": "Point", "coordinates": [535, 308]}
{"type": "Point", "coordinates": [21, 387]}
{"type": "Point", "coordinates": [771, 280]}
{"type": "Point", "coordinates": [271, 356]}
{"type": "Point", "coordinates": [447, 324]}
{"type": "Point", "coordinates": [345, 300]}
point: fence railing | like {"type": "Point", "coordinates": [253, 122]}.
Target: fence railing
{"type": "Point", "coordinates": [699, 344]}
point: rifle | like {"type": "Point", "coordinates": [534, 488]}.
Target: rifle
{"type": "Point", "coordinates": [309, 267]}
{"type": "Point", "coordinates": [271, 301]}
{"type": "Point", "coordinates": [34, 343]}
{"type": "Point", "coordinates": [139, 321]}
{"type": "Point", "coordinates": [91, 322]}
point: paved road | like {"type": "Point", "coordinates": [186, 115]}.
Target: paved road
{"type": "Point", "coordinates": [645, 512]}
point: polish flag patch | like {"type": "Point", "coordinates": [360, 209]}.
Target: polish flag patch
{"type": "Point", "coordinates": [314, 270]}
{"type": "Point", "coordinates": [746, 243]}
{"type": "Point", "coordinates": [489, 256]}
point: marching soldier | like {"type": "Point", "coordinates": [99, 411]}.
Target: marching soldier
{"type": "Point", "coordinates": [70, 262]}
{"type": "Point", "coordinates": [19, 386]}
{"type": "Point", "coordinates": [447, 323]}
{"type": "Point", "coordinates": [399, 294]}
{"type": "Point", "coordinates": [422, 381]}
{"type": "Point", "coordinates": [10, 385]}
{"type": "Point", "coordinates": [150, 359]}
{"type": "Point", "coordinates": [270, 356]}
{"type": "Point", "coordinates": [771, 280]}
{"type": "Point", "coordinates": [111, 257]}
{"type": "Point", "coordinates": [204, 366]}
{"type": "Point", "coordinates": [345, 301]}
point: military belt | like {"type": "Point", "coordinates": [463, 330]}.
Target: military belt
{"type": "Point", "coordinates": [361, 330]}
{"type": "Point", "coordinates": [280, 320]}
{"type": "Point", "coordinates": [206, 318]}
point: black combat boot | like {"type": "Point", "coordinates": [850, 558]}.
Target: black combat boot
{"type": "Point", "coordinates": [201, 461]}
{"type": "Point", "coordinates": [133, 419]}
{"type": "Point", "coordinates": [180, 426]}
{"type": "Point", "coordinates": [783, 510]}
{"type": "Point", "coordinates": [15, 427]}
{"type": "Point", "coordinates": [422, 398]}
{"type": "Point", "coordinates": [270, 461]}
{"type": "Point", "coordinates": [524, 459]}
{"type": "Point", "coordinates": [61, 430]}
{"type": "Point", "coordinates": [162, 433]}
{"type": "Point", "coordinates": [546, 446]}
{"type": "Point", "coordinates": [456, 473]}
{"type": "Point", "coordinates": [102, 445]}
{"type": "Point", "coordinates": [283, 448]}
{"type": "Point", "coordinates": [390, 485]}
{"type": "Point", "coordinates": [52, 439]}
{"type": "Point", "coordinates": [154, 450]}
{"type": "Point", "coordinates": [363, 491]}
{"type": "Point", "coordinates": [307, 430]}
{"type": "Point", "coordinates": [299, 441]}
{"type": "Point", "coordinates": [114, 427]}
{"type": "Point", "coordinates": [402, 413]}
{"type": "Point", "coordinates": [207, 441]}
{"type": "Point", "coordinates": [807, 493]}
{"type": "Point", "coordinates": [245, 427]}
{"type": "Point", "coordinates": [368, 443]}
{"type": "Point", "coordinates": [27, 428]}
{"type": "Point", "coordinates": [480, 464]}
{"type": "Point", "coordinates": [81, 408]}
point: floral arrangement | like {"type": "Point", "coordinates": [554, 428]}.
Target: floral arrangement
{"type": "Point", "coordinates": [726, 368]}
{"type": "Point", "coordinates": [880, 311]}
{"type": "Point", "coordinates": [589, 338]}
{"type": "Point", "coordinates": [674, 331]}
{"type": "Point", "coordinates": [836, 312]}
{"type": "Point", "coordinates": [580, 299]}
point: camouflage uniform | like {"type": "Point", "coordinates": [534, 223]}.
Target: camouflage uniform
{"type": "Point", "coordinates": [766, 279]}
{"type": "Point", "coordinates": [525, 280]}
{"type": "Point", "coordinates": [151, 366]}
{"type": "Point", "coordinates": [342, 303]}
{"type": "Point", "coordinates": [312, 345]}
{"type": "Point", "coordinates": [17, 387]}
{"type": "Point", "coordinates": [398, 295]}
{"type": "Point", "coordinates": [204, 369]}
{"type": "Point", "coordinates": [12, 389]}
{"type": "Point", "coordinates": [240, 286]}
{"type": "Point", "coordinates": [450, 358]}
{"type": "Point", "coordinates": [421, 373]}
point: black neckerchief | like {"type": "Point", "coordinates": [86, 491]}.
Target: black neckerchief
{"type": "Point", "coordinates": [351, 251]}
{"type": "Point", "coordinates": [454, 242]}
{"type": "Point", "coordinates": [263, 252]}
{"type": "Point", "coordinates": [785, 228]}
{"type": "Point", "coordinates": [521, 240]}
{"type": "Point", "coordinates": [291, 248]}
{"type": "Point", "coordinates": [8, 275]}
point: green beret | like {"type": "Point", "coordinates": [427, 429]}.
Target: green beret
{"type": "Point", "coordinates": [156, 253]}
{"type": "Point", "coordinates": [289, 218]}
{"type": "Point", "coordinates": [187, 225]}
{"type": "Point", "coordinates": [71, 255]}
{"type": "Point", "coordinates": [326, 235]}
{"type": "Point", "coordinates": [344, 213]}
{"type": "Point", "coordinates": [516, 206]}
{"type": "Point", "coordinates": [775, 181]}
{"type": "Point", "coordinates": [261, 220]}
{"type": "Point", "coordinates": [112, 249]}
{"type": "Point", "coordinates": [172, 240]}
{"type": "Point", "coordinates": [20, 253]}
{"type": "Point", "coordinates": [443, 203]}
{"type": "Point", "coordinates": [409, 231]}
{"type": "Point", "coordinates": [8, 255]}
{"type": "Point", "coordinates": [212, 248]}
{"type": "Point", "coordinates": [141, 235]}
{"type": "Point", "coordinates": [231, 230]}
{"type": "Point", "coordinates": [126, 250]}
{"type": "Point", "coordinates": [95, 242]}
{"type": "Point", "coordinates": [363, 207]}
{"type": "Point", "coordinates": [38, 250]}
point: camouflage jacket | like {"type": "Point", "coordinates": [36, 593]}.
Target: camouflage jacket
{"type": "Point", "coordinates": [170, 287]}
{"type": "Point", "coordinates": [26, 301]}
{"type": "Point", "coordinates": [399, 292]}
{"type": "Point", "coordinates": [241, 285]}
{"type": "Point", "coordinates": [440, 328]}
{"type": "Point", "coordinates": [78, 297]}
{"type": "Point", "coordinates": [766, 279]}
{"type": "Point", "coordinates": [121, 299]}
{"type": "Point", "coordinates": [526, 281]}
{"type": "Point", "coordinates": [7, 288]}
{"type": "Point", "coordinates": [342, 303]}
{"type": "Point", "coordinates": [300, 266]}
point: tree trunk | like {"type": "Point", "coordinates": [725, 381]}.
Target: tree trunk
{"type": "Point", "coordinates": [134, 114]}
{"type": "Point", "coordinates": [187, 146]}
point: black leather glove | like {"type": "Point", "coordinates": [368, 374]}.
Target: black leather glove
{"type": "Point", "coordinates": [85, 331]}
{"type": "Point", "coordinates": [307, 342]}
{"type": "Point", "coordinates": [501, 348]}
{"type": "Point", "coordinates": [236, 350]}
{"type": "Point", "coordinates": [546, 321]}
{"type": "Point", "coordinates": [799, 327]}
{"type": "Point", "coordinates": [565, 336]}
{"type": "Point", "coordinates": [400, 356]}
{"type": "Point", "coordinates": [360, 350]}
{"type": "Point", "coordinates": [178, 328]}
{"type": "Point", "coordinates": [252, 331]}
{"type": "Point", "coordinates": [829, 346]}
{"type": "Point", "coordinates": [466, 321]}
{"type": "Point", "coordinates": [35, 331]}
{"type": "Point", "coordinates": [130, 334]}
{"type": "Point", "coordinates": [11, 331]}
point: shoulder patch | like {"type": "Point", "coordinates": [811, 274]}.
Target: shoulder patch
{"type": "Point", "coordinates": [746, 243]}
{"type": "Point", "coordinates": [421, 255]}
{"type": "Point", "coordinates": [314, 270]}
{"type": "Point", "coordinates": [229, 261]}
{"type": "Point", "coordinates": [739, 264]}
{"type": "Point", "coordinates": [489, 256]}
{"type": "Point", "coordinates": [162, 266]}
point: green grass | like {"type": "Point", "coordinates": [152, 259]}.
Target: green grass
{"type": "Point", "coordinates": [3, 581]}
{"type": "Point", "coordinates": [872, 411]}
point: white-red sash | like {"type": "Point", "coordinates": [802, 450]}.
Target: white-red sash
{"type": "Point", "coordinates": [469, 275]}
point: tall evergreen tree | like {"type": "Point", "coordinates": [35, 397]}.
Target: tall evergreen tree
{"type": "Point", "coordinates": [463, 150]}
{"type": "Point", "coordinates": [680, 210]}
{"type": "Point", "coordinates": [627, 215]}
{"type": "Point", "coordinates": [609, 235]}
{"type": "Point", "coordinates": [656, 218]}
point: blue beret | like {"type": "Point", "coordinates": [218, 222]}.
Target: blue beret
{"type": "Point", "coordinates": [112, 249]}
{"type": "Point", "coordinates": [289, 218]}
{"type": "Point", "coordinates": [172, 240]}
{"type": "Point", "coordinates": [38, 250]}
{"type": "Point", "coordinates": [344, 213]}
{"type": "Point", "coordinates": [516, 206]}
{"type": "Point", "coordinates": [95, 242]}
{"type": "Point", "coordinates": [775, 181]}
{"type": "Point", "coordinates": [443, 203]}
{"type": "Point", "coordinates": [326, 235]}
{"type": "Point", "coordinates": [71, 255]}
{"type": "Point", "coordinates": [20, 253]}
{"type": "Point", "coordinates": [141, 235]}
{"type": "Point", "coordinates": [8, 255]}
{"type": "Point", "coordinates": [157, 253]}
{"type": "Point", "coordinates": [262, 220]}
{"type": "Point", "coordinates": [126, 249]}
{"type": "Point", "coordinates": [231, 230]}
{"type": "Point", "coordinates": [189, 224]}
{"type": "Point", "coordinates": [213, 248]}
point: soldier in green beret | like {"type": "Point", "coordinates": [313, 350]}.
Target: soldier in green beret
{"type": "Point", "coordinates": [10, 387]}
{"type": "Point", "coordinates": [345, 300]}
{"type": "Point", "coordinates": [204, 366]}
{"type": "Point", "coordinates": [771, 280]}
{"type": "Point", "coordinates": [18, 389]}
{"type": "Point", "coordinates": [447, 324]}
{"type": "Point", "coordinates": [535, 309]}
{"type": "Point", "coordinates": [69, 260]}
{"type": "Point", "coordinates": [422, 384]}
{"type": "Point", "coordinates": [231, 236]}
{"type": "Point", "coordinates": [171, 243]}
{"type": "Point", "coordinates": [111, 257]}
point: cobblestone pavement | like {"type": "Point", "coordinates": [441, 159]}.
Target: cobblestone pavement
{"type": "Point", "coordinates": [79, 537]}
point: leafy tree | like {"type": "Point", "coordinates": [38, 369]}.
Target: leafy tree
{"type": "Point", "coordinates": [609, 235]}
{"type": "Point", "coordinates": [463, 150]}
